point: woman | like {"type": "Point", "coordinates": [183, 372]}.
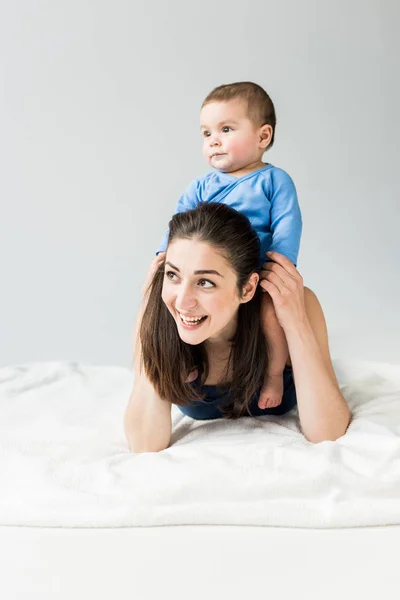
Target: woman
{"type": "Point", "coordinates": [199, 344]}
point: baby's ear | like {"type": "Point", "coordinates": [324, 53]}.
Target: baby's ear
{"type": "Point", "coordinates": [266, 132]}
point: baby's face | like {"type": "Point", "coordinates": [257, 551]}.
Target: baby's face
{"type": "Point", "coordinates": [231, 141]}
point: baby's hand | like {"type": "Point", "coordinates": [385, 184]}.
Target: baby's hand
{"type": "Point", "coordinates": [155, 264]}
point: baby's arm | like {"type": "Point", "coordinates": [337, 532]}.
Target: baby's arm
{"type": "Point", "coordinates": [285, 217]}
{"type": "Point", "coordinates": [286, 227]}
{"type": "Point", "coordinates": [189, 199]}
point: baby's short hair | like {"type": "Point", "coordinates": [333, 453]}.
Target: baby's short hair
{"type": "Point", "coordinates": [260, 107]}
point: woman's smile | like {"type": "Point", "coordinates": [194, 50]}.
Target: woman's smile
{"type": "Point", "coordinates": [191, 322]}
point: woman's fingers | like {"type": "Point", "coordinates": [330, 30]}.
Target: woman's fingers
{"type": "Point", "coordinates": [284, 269]}
{"type": "Point", "coordinates": [269, 287]}
{"type": "Point", "coordinates": [284, 284]}
{"type": "Point", "coordinates": [274, 278]}
{"type": "Point", "coordinates": [274, 271]}
{"type": "Point", "coordinates": [288, 280]}
{"type": "Point", "coordinates": [284, 262]}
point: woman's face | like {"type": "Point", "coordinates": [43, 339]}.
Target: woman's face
{"type": "Point", "coordinates": [200, 291]}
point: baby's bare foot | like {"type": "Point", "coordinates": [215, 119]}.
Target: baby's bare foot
{"type": "Point", "coordinates": [192, 376]}
{"type": "Point", "coordinates": [271, 391]}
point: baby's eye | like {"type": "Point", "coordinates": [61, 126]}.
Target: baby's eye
{"type": "Point", "coordinates": [206, 281]}
{"type": "Point", "coordinates": [206, 133]}
{"type": "Point", "coordinates": [226, 129]}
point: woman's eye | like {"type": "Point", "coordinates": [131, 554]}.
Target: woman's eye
{"type": "Point", "coordinates": [206, 281]}
{"type": "Point", "coordinates": [168, 273]}
{"type": "Point", "coordinates": [171, 276]}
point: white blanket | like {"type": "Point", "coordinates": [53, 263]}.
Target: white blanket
{"type": "Point", "coordinates": [64, 460]}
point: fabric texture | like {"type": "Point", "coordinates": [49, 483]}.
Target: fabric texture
{"type": "Point", "coordinates": [65, 462]}
{"type": "Point", "coordinates": [267, 197]}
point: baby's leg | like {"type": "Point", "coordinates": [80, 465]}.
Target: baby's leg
{"type": "Point", "coordinates": [272, 389]}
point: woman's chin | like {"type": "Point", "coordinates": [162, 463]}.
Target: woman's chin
{"type": "Point", "coordinates": [192, 340]}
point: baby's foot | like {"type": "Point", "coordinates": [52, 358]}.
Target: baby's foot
{"type": "Point", "coordinates": [192, 376]}
{"type": "Point", "coordinates": [271, 391]}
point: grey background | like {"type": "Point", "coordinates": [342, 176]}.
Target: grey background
{"type": "Point", "coordinates": [99, 135]}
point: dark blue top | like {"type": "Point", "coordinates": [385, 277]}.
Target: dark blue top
{"type": "Point", "coordinates": [215, 397]}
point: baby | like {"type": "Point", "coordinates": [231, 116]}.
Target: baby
{"type": "Point", "coordinates": [238, 126]}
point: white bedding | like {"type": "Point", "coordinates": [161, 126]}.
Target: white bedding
{"type": "Point", "coordinates": [64, 460]}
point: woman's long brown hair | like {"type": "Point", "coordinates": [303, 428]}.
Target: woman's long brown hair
{"type": "Point", "coordinates": [166, 359]}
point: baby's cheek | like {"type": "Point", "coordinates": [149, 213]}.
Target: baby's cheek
{"type": "Point", "coordinates": [239, 148]}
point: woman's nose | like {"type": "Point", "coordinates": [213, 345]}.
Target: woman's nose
{"type": "Point", "coordinates": [185, 300]}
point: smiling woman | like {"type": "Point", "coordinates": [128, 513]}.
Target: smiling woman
{"type": "Point", "coordinates": [210, 274]}
{"type": "Point", "coordinates": [204, 309]}
{"type": "Point", "coordinates": [201, 316]}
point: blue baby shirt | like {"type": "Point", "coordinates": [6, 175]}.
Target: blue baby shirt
{"type": "Point", "coordinates": [267, 197]}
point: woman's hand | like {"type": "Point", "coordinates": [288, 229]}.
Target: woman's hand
{"type": "Point", "coordinates": [157, 261]}
{"type": "Point", "coordinates": [283, 282]}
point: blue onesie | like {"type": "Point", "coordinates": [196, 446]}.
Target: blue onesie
{"type": "Point", "coordinates": [267, 197]}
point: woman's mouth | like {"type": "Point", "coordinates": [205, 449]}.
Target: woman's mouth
{"type": "Point", "coordinates": [191, 322]}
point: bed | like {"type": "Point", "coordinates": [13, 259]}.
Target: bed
{"type": "Point", "coordinates": [231, 507]}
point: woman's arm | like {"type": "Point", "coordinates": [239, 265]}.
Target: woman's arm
{"type": "Point", "coordinates": [323, 412]}
{"type": "Point", "coordinates": [147, 420]}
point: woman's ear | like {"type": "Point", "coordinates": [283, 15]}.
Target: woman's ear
{"type": "Point", "coordinates": [265, 136]}
{"type": "Point", "coordinates": [249, 289]}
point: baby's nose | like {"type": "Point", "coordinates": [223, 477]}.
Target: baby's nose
{"type": "Point", "coordinates": [214, 141]}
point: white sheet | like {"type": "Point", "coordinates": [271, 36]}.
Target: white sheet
{"type": "Point", "coordinates": [64, 460]}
